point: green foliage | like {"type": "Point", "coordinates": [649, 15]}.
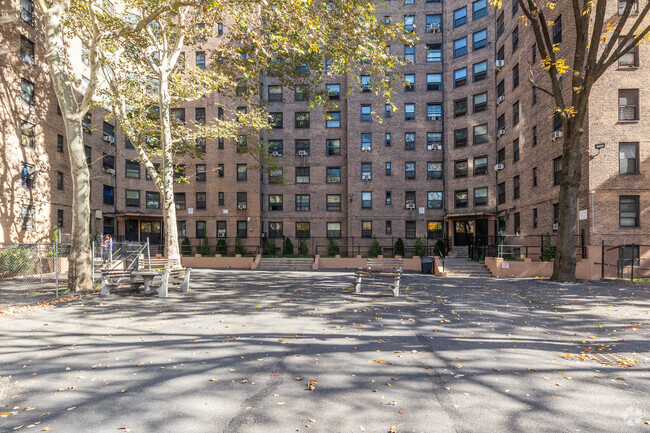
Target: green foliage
{"type": "Point", "coordinates": [375, 249]}
{"type": "Point", "coordinates": [420, 248]}
{"type": "Point", "coordinates": [442, 247]}
{"type": "Point", "coordinates": [56, 235]}
{"type": "Point", "coordinates": [288, 247]}
{"type": "Point", "coordinates": [222, 247]}
{"type": "Point", "coordinates": [269, 247]}
{"type": "Point", "coordinates": [398, 249]}
{"type": "Point", "coordinates": [304, 249]}
{"type": "Point", "coordinates": [332, 248]}
{"type": "Point", "coordinates": [239, 246]}
{"type": "Point", "coordinates": [16, 261]}
{"type": "Point", "coordinates": [548, 250]}
{"type": "Point", "coordinates": [204, 249]}
{"type": "Point", "coordinates": [186, 247]}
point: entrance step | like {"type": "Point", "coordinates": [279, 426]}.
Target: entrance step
{"type": "Point", "coordinates": [457, 267]}
{"type": "Point", "coordinates": [459, 251]}
{"type": "Point", "coordinates": [285, 264]}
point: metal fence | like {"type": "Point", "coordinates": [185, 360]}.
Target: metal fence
{"type": "Point", "coordinates": [511, 247]}
{"type": "Point", "coordinates": [630, 261]}
{"type": "Point", "coordinates": [119, 255]}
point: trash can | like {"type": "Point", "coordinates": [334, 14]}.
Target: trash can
{"type": "Point", "coordinates": [427, 264]}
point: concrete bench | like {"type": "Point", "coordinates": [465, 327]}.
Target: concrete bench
{"type": "Point", "coordinates": [381, 272]}
{"type": "Point", "coordinates": [115, 278]}
{"type": "Point", "coordinates": [164, 273]}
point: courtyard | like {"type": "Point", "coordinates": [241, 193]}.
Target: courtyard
{"type": "Point", "coordinates": [254, 351]}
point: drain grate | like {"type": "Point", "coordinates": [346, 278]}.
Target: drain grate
{"type": "Point", "coordinates": [619, 359]}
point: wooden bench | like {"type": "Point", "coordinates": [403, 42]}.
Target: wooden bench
{"type": "Point", "coordinates": [114, 278]}
{"type": "Point", "coordinates": [378, 271]}
{"type": "Point", "coordinates": [170, 273]}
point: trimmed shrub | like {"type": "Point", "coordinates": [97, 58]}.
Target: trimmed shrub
{"type": "Point", "coordinates": [269, 247]}
{"type": "Point", "coordinates": [16, 261]}
{"type": "Point", "coordinates": [204, 249]}
{"type": "Point", "coordinates": [398, 249]}
{"type": "Point", "coordinates": [548, 250]}
{"type": "Point", "coordinates": [288, 247]}
{"type": "Point", "coordinates": [420, 248]}
{"type": "Point", "coordinates": [186, 247]}
{"type": "Point", "coordinates": [304, 249]}
{"type": "Point", "coordinates": [375, 249]}
{"type": "Point", "coordinates": [222, 247]}
{"type": "Point", "coordinates": [239, 246]}
{"type": "Point", "coordinates": [332, 248]}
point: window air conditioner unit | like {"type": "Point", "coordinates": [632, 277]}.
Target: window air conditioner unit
{"type": "Point", "coordinates": [366, 176]}
{"type": "Point", "coordinates": [366, 148]}
{"type": "Point", "coordinates": [499, 64]}
{"type": "Point", "coordinates": [221, 235]}
{"type": "Point", "coordinates": [434, 147]}
{"type": "Point", "coordinates": [498, 167]}
{"type": "Point", "coordinates": [110, 171]}
{"type": "Point", "coordinates": [634, 7]}
{"type": "Point", "coordinates": [241, 206]}
{"type": "Point", "coordinates": [555, 135]}
{"type": "Point", "coordinates": [501, 132]}
{"type": "Point", "coordinates": [554, 227]}
{"type": "Point", "coordinates": [109, 139]}
{"type": "Point", "coordinates": [302, 153]}
{"type": "Point", "coordinates": [500, 99]}
{"type": "Point", "coordinates": [410, 205]}
{"type": "Point", "coordinates": [275, 153]}
{"type": "Point", "coordinates": [434, 28]}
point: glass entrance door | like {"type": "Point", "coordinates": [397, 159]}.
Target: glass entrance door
{"type": "Point", "coordinates": [463, 232]}
{"type": "Point", "coordinates": [151, 230]}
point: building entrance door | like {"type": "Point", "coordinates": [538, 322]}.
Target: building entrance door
{"type": "Point", "coordinates": [151, 230]}
{"type": "Point", "coordinates": [481, 232]}
{"type": "Point", "coordinates": [131, 231]}
{"type": "Point", "coordinates": [463, 232]}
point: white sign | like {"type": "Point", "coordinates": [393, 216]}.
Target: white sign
{"type": "Point", "coordinates": [190, 210]}
{"type": "Point", "coordinates": [225, 211]}
{"type": "Point", "coordinates": [421, 211]}
{"type": "Point", "coordinates": [505, 265]}
{"type": "Point", "coordinates": [582, 215]}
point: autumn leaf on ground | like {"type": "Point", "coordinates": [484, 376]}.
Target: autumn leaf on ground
{"type": "Point", "coordinates": [244, 381]}
{"type": "Point", "coordinates": [298, 378]}
{"type": "Point", "coordinates": [392, 429]}
{"type": "Point", "coordinates": [213, 379]}
{"type": "Point", "coordinates": [311, 386]}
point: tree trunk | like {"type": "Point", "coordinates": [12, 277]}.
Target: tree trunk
{"type": "Point", "coordinates": [564, 266]}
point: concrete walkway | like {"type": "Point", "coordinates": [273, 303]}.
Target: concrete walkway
{"type": "Point", "coordinates": [239, 352]}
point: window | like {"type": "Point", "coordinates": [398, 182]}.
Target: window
{"type": "Point", "coordinates": [557, 170]}
{"type": "Point", "coordinates": [534, 135]}
{"type": "Point", "coordinates": [481, 134]}
{"type": "Point", "coordinates": [628, 161]}
{"type": "Point", "coordinates": [534, 98]}
{"type": "Point", "coordinates": [88, 152]}
{"type": "Point", "coordinates": [535, 218]}
{"type": "Point", "coordinates": [409, 141]}
{"type": "Point", "coordinates": [409, 111]}
{"type": "Point", "coordinates": [26, 134]}
{"type": "Point", "coordinates": [434, 82]}
{"type": "Point", "coordinates": [242, 172]}
{"type": "Point", "coordinates": [479, 9]}
{"type": "Point", "coordinates": [557, 122]}
{"type": "Point", "coordinates": [152, 200]}
{"type": "Point", "coordinates": [480, 102]}
{"type": "Point", "coordinates": [333, 174]}
{"type": "Point", "coordinates": [460, 16]}
{"type": "Point", "coordinates": [333, 119]}
{"type": "Point", "coordinates": [515, 76]}
{"type": "Point", "coordinates": [557, 30]}
{"type": "Point", "coordinates": [366, 112]}
{"type": "Point", "coordinates": [366, 170]}
{"type": "Point", "coordinates": [409, 82]}
{"type": "Point", "coordinates": [460, 107]}
{"type": "Point", "coordinates": [479, 71]}
{"type": "Point", "coordinates": [302, 119]}
{"type": "Point", "coordinates": [434, 170]}
{"type": "Point", "coordinates": [301, 92]}
{"type": "Point", "coordinates": [434, 200]}
{"type": "Point", "coordinates": [433, 23]}
{"type": "Point", "coordinates": [460, 77]}
{"type": "Point", "coordinates": [179, 200]}
{"type": "Point", "coordinates": [59, 218]}
{"type": "Point", "coordinates": [333, 202]}
{"type": "Point", "coordinates": [276, 176]}
{"type": "Point", "coordinates": [409, 230]}
{"type": "Point", "coordinates": [27, 176]}
{"type": "Point", "coordinates": [302, 230]}
{"type": "Point", "coordinates": [365, 83]}
{"type": "Point", "coordinates": [628, 105]}
{"type": "Point", "coordinates": [515, 113]}
{"type": "Point", "coordinates": [515, 150]}
{"type": "Point", "coordinates": [434, 111]}
{"type": "Point", "coordinates": [200, 59]}
{"type": "Point", "coordinates": [409, 53]}
{"type": "Point", "coordinates": [366, 229]}
{"type": "Point", "coordinates": [623, 4]}
{"type": "Point", "coordinates": [387, 139]}
{"type": "Point", "coordinates": [201, 229]}
{"type": "Point", "coordinates": [201, 200]}
{"type": "Point", "coordinates": [501, 155]}
{"type": "Point", "coordinates": [460, 168]}
{"type": "Point", "coordinates": [132, 198]}
{"type": "Point", "coordinates": [388, 110]}
{"type": "Point", "coordinates": [460, 137]}
{"type": "Point", "coordinates": [460, 198]}
{"type": "Point", "coordinates": [220, 170]}
{"type": "Point", "coordinates": [302, 147]}
{"type": "Point", "coordinates": [460, 47]}
{"type": "Point", "coordinates": [517, 224]}
{"type": "Point", "coordinates": [27, 91]}
{"type": "Point", "coordinates": [26, 50]}
{"type": "Point", "coordinates": [302, 174]}
{"type": "Point", "coordinates": [501, 123]}
{"type": "Point", "coordinates": [388, 169]}
{"type": "Point", "coordinates": [242, 200]}
{"type": "Point", "coordinates": [534, 176]}
{"type": "Point", "coordinates": [480, 165]}
{"type": "Point", "coordinates": [628, 208]}
{"type": "Point", "coordinates": [132, 169]}
{"type": "Point", "coordinates": [59, 180]}
{"type": "Point", "coordinates": [515, 39]}
{"type": "Point", "coordinates": [276, 120]}
{"type": "Point", "coordinates": [366, 200]}
{"type": "Point", "coordinates": [179, 171]}
{"type": "Point", "coordinates": [501, 193]}
{"type": "Point", "coordinates": [434, 230]}
{"type": "Point", "coordinates": [388, 198]}
{"type": "Point", "coordinates": [479, 39]}
{"type": "Point", "coordinates": [59, 143]}
{"type": "Point", "coordinates": [631, 58]}
{"type": "Point", "coordinates": [276, 202]}
{"type": "Point", "coordinates": [409, 199]}
{"type": "Point", "coordinates": [275, 230]}
{"type": "Point", "coordinates": [409, 170]}
{"type": "Point", "coordinates": [501, 88]}
{"type": "Point", "coordinates": [302, 202]}
{"type": "Point", "coordinates": [27, 11]}
{"type": "Point", "coordinates": [434, 140]}
{"type": "Point", "coordinates": [409, 22]}
{"type": "Point", "coordinates": [515, 187]}
{"type": "Point", "coordinates": [481, 196]}
{"type": "Point", "coordinates": [332, 147]}
{"type": "Point", "coordinates": [28, 217]}
{"type": "Point", "coordinates": [434, 52]}
{"type": "Point", "coordinates": [500, 26]}
{"type": "Point", "coordinates": [334, 92]}
{"type": "Point", "coordinates": [333, 230]}
{"type": "Point", "coordinates": [109, 195]}
{"type": "Point", "coordinates": [242, 229]}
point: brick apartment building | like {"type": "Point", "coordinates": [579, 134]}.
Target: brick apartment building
{"type": "Point", "coordinates": [469, 152]}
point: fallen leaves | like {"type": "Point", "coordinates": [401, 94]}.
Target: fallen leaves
{"type": "Point", "coordinates": [214, 379]}
{"type": "Point", "coordinates": [311, 386]}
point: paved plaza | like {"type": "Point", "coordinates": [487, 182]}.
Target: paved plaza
{"type": "Point", "coordinates": [267, 352]}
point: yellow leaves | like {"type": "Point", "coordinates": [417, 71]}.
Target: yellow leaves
{"type": "Point", "coordinates": [561, 66]}
{"type": "Point", "coordinates": [311, 385]}
{"type": "Point", "coordinates": [551, 5]}
{"type": "Point", "coordinates": [556, 47]}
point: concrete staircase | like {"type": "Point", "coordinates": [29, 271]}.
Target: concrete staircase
{"type": "Point", "coordinates": [285, 264]}
{"type": "Point", "coordinates": [458, 267]}
{"type": "Point", "coordinates": [458, 252]}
